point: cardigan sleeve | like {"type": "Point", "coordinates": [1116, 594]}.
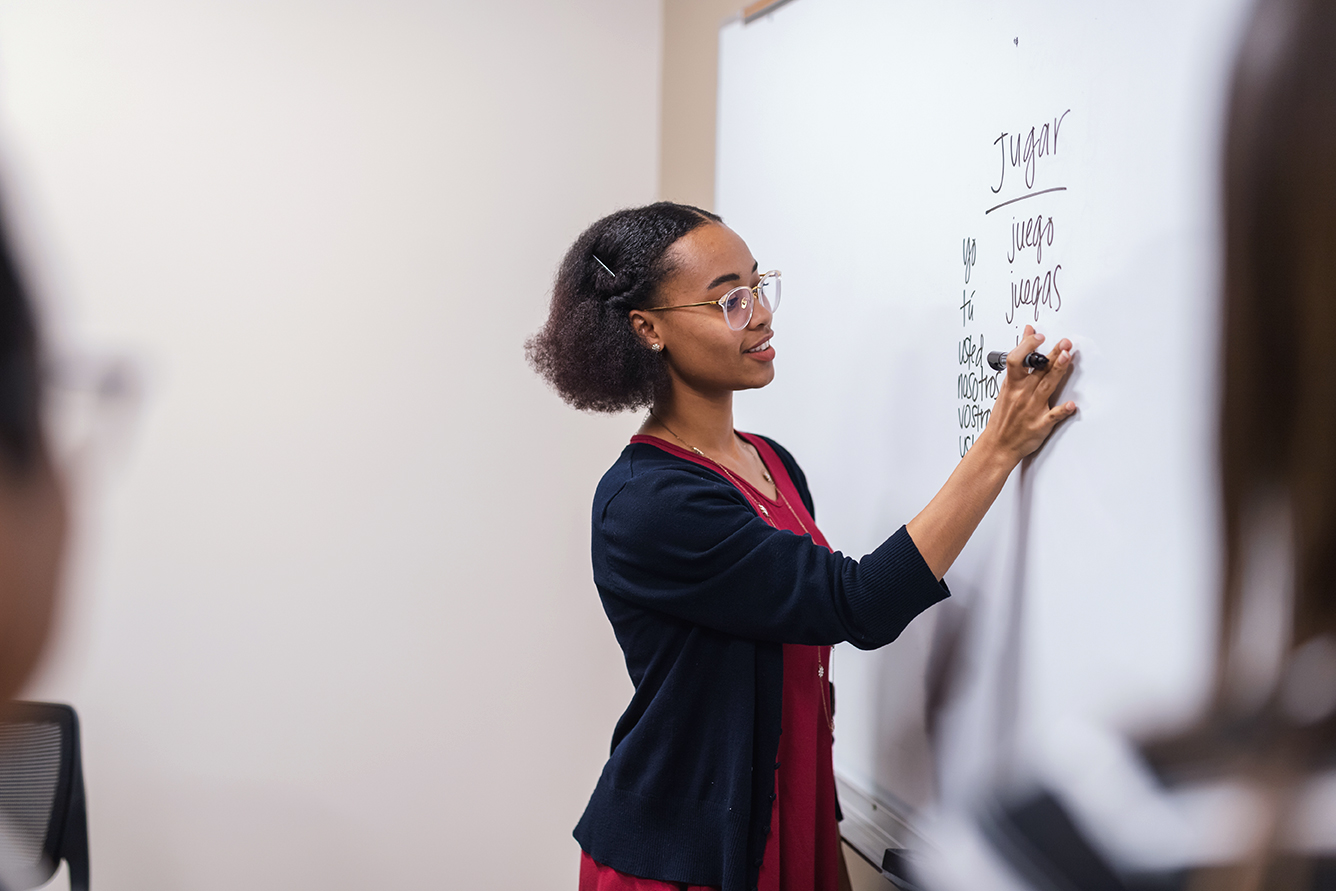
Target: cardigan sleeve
{"type": "Point", "coordinates": [677, 538]}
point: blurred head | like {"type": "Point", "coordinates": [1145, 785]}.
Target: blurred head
{"type": "Point", "coordinates": [1278, 423]}
{"type": "Point", "coordinates": [32, 513]}
{"type": "Point", "coordinates": [587, 349]}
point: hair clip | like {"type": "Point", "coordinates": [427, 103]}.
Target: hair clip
{"type": "Point", "coordinates": [604, 265]}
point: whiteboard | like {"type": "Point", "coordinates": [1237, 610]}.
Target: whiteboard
{"type": "Point", "coordinates": [929, 177]}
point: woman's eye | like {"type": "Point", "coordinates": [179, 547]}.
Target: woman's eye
{"type": "Point", "coordinates": [732, 301]}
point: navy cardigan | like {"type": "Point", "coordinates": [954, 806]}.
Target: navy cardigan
{"type": "Point", "coordinates": [702, 593]}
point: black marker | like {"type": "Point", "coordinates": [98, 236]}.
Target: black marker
{"type": "Point", "coordinates": [998, 360]}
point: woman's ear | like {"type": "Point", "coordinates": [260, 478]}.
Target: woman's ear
{"type": "Point", "coordinates": [643, 326]}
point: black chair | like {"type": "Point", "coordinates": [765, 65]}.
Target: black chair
{"type": "Point", "coordinates": [43, 819]}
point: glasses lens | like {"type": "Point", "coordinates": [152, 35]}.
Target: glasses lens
{"type": "Point", "coordinates": [738, 308]}
{"type": "Point", "coordinates": [769, 289]}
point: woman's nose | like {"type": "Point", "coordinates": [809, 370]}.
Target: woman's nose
{"type": "Point", "coordinates": [761, 315]}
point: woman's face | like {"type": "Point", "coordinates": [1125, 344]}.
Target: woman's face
{"type": "Point", "coordinates": [702, 352]}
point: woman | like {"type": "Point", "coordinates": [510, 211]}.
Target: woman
{"type": "Point", "coordinates": [721, 590]}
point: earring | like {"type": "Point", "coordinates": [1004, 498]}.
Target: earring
{"type": "Point", "coordinates": [656, 347]}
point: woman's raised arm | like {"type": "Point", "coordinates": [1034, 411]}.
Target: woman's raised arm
{"type": "Point", "coordinates": [1020, 422]}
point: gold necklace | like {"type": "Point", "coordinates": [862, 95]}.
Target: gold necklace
{"type": "Point", "coordinates": [760, 508]}
{"type": "Point", "coordinates": [764, 473]}
{"type": "Point", "coordinates": [822, 683]}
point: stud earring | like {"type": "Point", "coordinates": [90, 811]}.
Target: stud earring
{"type": "Point", "coordinates": [656, 347]}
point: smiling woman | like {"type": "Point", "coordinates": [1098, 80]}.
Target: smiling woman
{"type": "Point", "coordinates": [723, 593]}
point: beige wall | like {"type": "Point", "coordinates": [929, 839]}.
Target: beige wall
{"type": "Point", "coordinates": [687, 121]}
{"type": "Point", "coordinates": [331, 622]}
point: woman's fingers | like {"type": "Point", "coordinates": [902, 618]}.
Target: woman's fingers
{"type": "Point", "coordinates": [1022, 413]}
{"type": "Point", "coordinates": [1029, 343]}
{"type": "Point", "coordinates": [1022, 417]}
{"type": "Point", "coordinates": [1061, 412]}
{"type": "Point", "coordinates": [1059, 366]}
{"type": "Point", "coordinates": [1058, 347]}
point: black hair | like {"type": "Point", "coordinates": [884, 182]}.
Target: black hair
{"type": "Point", "coordinates": [20, 375]}
{"type": "Point", "coordinates": [587, 350]}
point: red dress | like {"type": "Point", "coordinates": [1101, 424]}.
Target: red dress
{"type": "Point", "coordinates": [804, 845]}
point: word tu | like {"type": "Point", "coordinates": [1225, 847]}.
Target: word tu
{"type": "Point", "coordinates": [966, 307]}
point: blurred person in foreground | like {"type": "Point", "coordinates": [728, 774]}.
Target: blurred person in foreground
{"type": "Point", "coordinates": [32, 525]}
{"type": "Point", "coordinates": [1246, 800]}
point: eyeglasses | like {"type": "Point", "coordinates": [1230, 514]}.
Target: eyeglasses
{"type": "Point", "coordinates": [739, 303]}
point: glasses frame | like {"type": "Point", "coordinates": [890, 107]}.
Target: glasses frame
{"type": "Point", "coordinates": [750, 306]}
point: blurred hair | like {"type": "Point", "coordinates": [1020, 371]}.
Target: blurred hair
{"type": "Point", "coordinates": [1278, 419]}
{"type": "Point", "coordinates": [587, 350]}
{"type": "Point", "coordinates": [20, 374]}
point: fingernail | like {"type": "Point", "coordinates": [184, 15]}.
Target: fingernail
{"type": "Point", "coordinates": [1064, 357]}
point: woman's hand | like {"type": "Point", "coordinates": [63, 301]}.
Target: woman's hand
{"type": "Point", "coordinates": [1019, 423]}
{"type": "Point", "coordinates": [1021, 418]}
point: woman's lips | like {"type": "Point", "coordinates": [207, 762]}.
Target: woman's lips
{"type": "Point", "coordinates": [762, 350]}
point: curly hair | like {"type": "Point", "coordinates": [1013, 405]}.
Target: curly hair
{"type": "Point", "coordinates": [587, 350]}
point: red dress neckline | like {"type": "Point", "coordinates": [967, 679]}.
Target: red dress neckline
{"type": "Point", "coordinates": [791, 500]}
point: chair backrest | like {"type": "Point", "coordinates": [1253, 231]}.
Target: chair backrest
{"type": "Point", "coordinates": [43, 818]}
